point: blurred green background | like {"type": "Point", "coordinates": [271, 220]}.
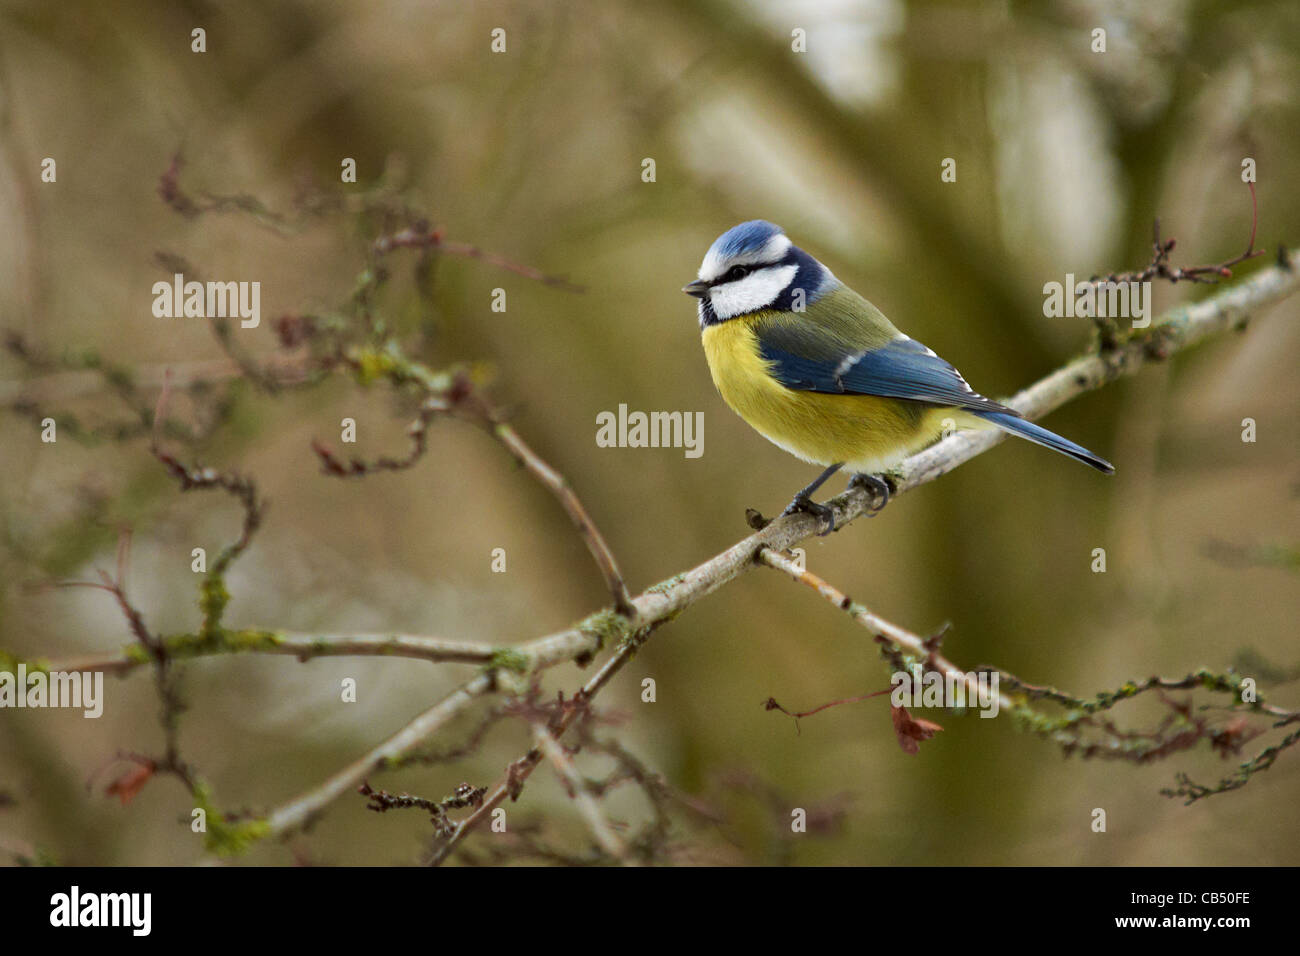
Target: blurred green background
{"type": "Point", "coordinates": [1064, 156]}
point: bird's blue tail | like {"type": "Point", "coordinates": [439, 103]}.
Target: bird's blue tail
{"type": "Point", "coordinates": [1036, 433]}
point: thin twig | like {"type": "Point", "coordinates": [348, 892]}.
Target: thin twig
{"type": "Point", "coordinates": [492, 418]}
{"type": "Point", "coordinates": [1159, 267]}
{"type": "Point", "coordinates": [304, 646]}
{"type": "Point", "coordinates": [72, 385]}
{"type": "Point", "coordinates": [577, 788]}
{"type": "Point", "coordinates": [416, 238]}
{"type": "Point", "coordinates": [559, 487]}
{"type": "Point", "coordinates": [882, 630]}
{"type": "Point", "coordinates": [534, 656]}
{"type": "Point", "coordinates": [521, 769]}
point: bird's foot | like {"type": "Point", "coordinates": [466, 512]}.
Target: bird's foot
{"type": "Point", "coordinates": [805, 504]}
{"type": "Point", "coordinates": [881, 488]}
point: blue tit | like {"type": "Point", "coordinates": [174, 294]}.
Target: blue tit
{"type": "Point", "coordinates": [820, 371]}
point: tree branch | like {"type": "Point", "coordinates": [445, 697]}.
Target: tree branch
{"type": "Point", "coordinates": [1180, 329]}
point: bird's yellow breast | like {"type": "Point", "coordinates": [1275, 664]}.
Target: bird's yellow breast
{"type": "Point", "coordinates": [865, 432]}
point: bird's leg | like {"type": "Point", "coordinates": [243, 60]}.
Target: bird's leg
{"type": "Point", "coordinates": [880, 487]}
{"type": "Point", "coordinates": [803, 501]}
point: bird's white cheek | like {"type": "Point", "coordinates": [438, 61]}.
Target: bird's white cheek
{"type": "Point", "coordinates": [756, 290]}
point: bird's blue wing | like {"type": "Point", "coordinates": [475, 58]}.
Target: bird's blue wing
{"type": "Point", "coordinates": [902, 368]}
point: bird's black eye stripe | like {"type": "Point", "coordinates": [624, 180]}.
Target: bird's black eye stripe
{"type": "Point", "coordinates": [736, 272]}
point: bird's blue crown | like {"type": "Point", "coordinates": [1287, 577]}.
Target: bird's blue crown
{"type": "Point", "coordinates": [745, 239]}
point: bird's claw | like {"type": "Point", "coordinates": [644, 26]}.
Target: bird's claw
{"type": "Point", "coordinates": [879, 487]}
{"type": "Point", "coordinates": [808, 506]}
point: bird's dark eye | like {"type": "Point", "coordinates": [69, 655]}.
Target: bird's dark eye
{"type": "Point", "coordinates": [736, 272]}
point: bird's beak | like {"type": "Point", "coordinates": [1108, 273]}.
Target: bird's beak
{"type": "Point", "coordinates": [699, 288]}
